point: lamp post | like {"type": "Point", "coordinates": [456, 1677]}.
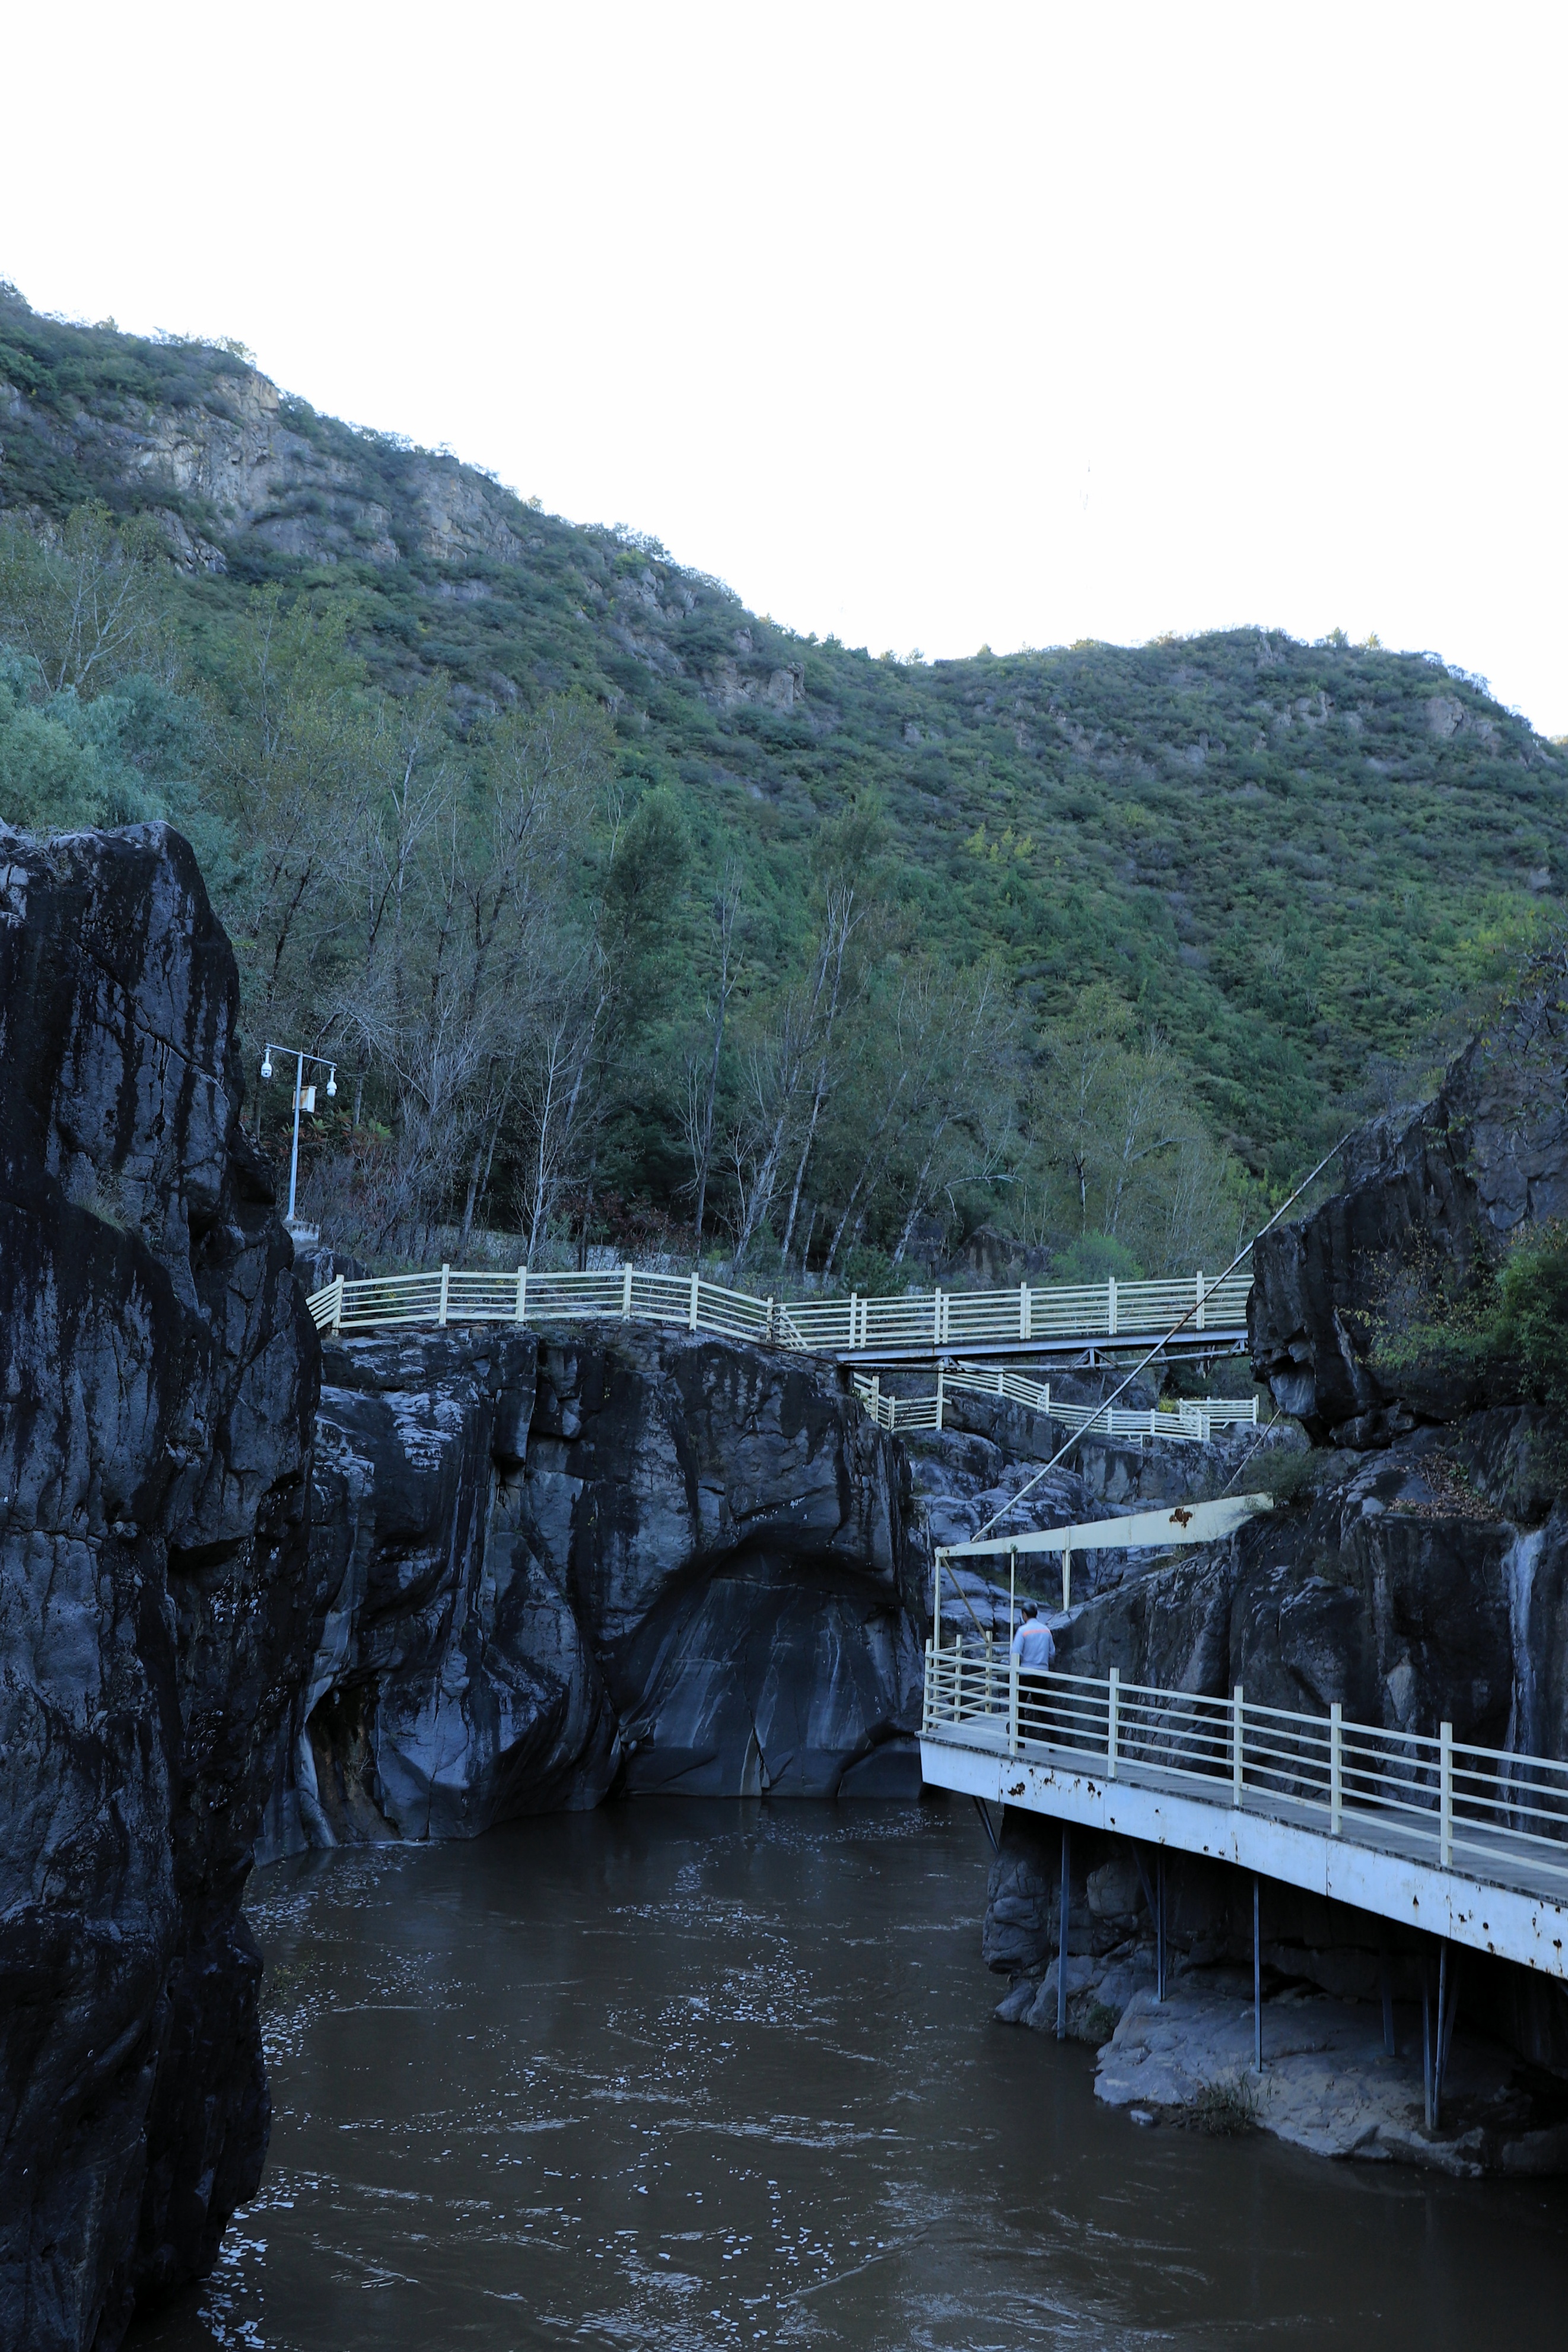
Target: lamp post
{"type": "Point", "coordinates": [304, 1100]}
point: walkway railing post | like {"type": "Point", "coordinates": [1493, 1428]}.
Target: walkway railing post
{"type": "Point", "coordinates": [446, 1289]}
{"type": "Point", "coordinates": [1066, 1578]}
{"type": "Point", "coordinates": [1198, 1318]}
{"type": "Point", "coordinates": [1236, 1749]}
{"type": "Point", "coordinates": [1160, 1925]}
{"type": "Point", "coordinates": [939, 1396]}
{"type": "Point", "coordinates": [1111, 1306]}
{"type": "Point", "coordinates": [522, 1294]}
{"type": "Point", "coordinates": [1024, 1332]}
{"type": "Point", "coordinates": [691, 1309]}
{"type": "Point", "coordinates": [1061, 1936]}
{"type": "Point", "coordinates": [1446, 1795]}
{"type": "Point", "coordinates": [338, 1308]}
{"type": "Point", "coordinates": [854, 1319]}
{"type": "Point", "coordinates": [1448, 2008]}
{"type": "Point", "coordinates": [625, 1294]}
{"type": "Point", "coordinates": [1012, 1700]}
{"type": "Point", "coordinates": [1427, 2050]}
{"type": "Point", "coordinates": [1257, 1984]}
{"type": "Point", "coordinates": [1337, 1775]}
{"type": "Point", "coordinates": [936, 1334]}
{"type": "Point", "coordinates": [1112, 1710]}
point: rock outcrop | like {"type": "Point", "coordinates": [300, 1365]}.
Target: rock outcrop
{"type": "Point", "coordinates": [1488, 1156]}
{"type": "Point", "coordinates": [1331, 2084]}
{"type": "Point", "coordinates": [631, 1559]}
{"type": "Point", "coordinates": [1415, 1574]}
{"type": "Point", "coordinates": [158, 1374]}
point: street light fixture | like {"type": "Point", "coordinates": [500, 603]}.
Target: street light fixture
{"type": "Point", "coordinates": [304, 1100]}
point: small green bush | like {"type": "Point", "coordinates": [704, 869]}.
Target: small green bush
{"type": "Point", "coordinates": [1527, 1330]}
{"type": "Point", "coordinates": [1096, 1257]}
{"type": "Point", "coordinates": [1095, 2022]}
{"type": "Point", "coordinates": [872, 1274]}
{"type": "Point", "coordinates": [1503, 1325]}
{"type": "Point", "coordinates": [1222, 2107]}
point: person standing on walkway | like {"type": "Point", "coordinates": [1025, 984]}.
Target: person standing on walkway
{"type": "Point", "coordinates": [1036, 1651]}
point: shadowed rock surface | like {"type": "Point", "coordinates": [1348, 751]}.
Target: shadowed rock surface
{"type": "Point", "coordinates": [1487, 1156]}
{"type": "Point", "coordinates": [1419, 1574]}
{"type": "Point", "coordinates": [635, 1559]}
{"type": "Point", "coordinates": [158, 1374]}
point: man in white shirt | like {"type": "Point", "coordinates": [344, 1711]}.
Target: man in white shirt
{"type": "Point", "coordinates": [1035, 1650]}
{"type": "Point", "coordinates": [1032, 1645]}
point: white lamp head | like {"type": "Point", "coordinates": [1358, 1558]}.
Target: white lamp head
{"type": "Point", "coordinates": [332, 1080]}
{"type": "Point", "coordinates": [266, 1065]}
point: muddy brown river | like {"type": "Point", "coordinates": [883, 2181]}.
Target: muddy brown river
{"type": "Point", "coordinates": [680, 2075]}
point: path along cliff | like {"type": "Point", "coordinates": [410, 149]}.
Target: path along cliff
{"type": "Point", "coordinates": [252, 1591]}
{"type": "Point", "coordinates": [1417, 1573]}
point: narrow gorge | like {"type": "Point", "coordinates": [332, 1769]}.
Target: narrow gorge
{"type": "Point", "coordinates": [267, 1595]}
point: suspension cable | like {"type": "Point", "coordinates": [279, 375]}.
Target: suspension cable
{"type": "Point", "coordinates": [1164, 1341]}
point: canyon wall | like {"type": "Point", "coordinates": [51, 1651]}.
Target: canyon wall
{"type": "Point", "coordinates": [1420, 1206]}
{"type": "Point", "coordinates": [633, 1560]}
{"type": "Point", "coordinates": [158, 1373]}
{"type": "Point", "coordinates": [1417, 1571]}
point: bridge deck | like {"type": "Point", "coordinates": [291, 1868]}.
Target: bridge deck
{"type": "Point", "coordinates": [1228, 1338]}
{"type": "Point", "coordinates": [1465, 1843]}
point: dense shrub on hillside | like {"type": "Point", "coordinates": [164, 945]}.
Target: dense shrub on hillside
{"type": "Point", "coordinates": [1138, 929]}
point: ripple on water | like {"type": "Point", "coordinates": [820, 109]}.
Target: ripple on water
{"type": "Point", "coordinates": [700, 2075]}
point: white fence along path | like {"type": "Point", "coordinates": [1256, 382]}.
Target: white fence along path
{"type": "Point", "coordinates": [927, 1321]}
{"type": "Point", "coordinates": [1469, 1841]}
{"type": "Point", "coordinates": [1185, 1422]}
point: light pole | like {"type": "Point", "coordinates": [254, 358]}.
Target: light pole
{"type": "Point", "coordinates": [304, 1100]}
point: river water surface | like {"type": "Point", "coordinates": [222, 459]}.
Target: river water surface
{"type": "Point", "coordinates": [694, 2074]}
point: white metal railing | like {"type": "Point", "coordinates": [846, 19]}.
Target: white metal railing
{"type": "Point", "coordinates": [386, 1302]}
{"type": "Point", "coordinates": [1432, 1796]}
{"type": "Point", "coordinates": [934, 1319]}
{"type": "Point", "coordinates": [943, 1318]}
{"type": "Point", "coordinates": [1185, 1422]}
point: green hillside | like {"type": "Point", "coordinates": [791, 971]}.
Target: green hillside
{"type": "Point", "coordinates": [1258, 877]}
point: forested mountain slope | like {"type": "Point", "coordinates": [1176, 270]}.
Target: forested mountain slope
{"type": "Point", "coordinates": [1290, 860]}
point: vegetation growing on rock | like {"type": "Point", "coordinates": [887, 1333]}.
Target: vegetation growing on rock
{"type": "Point", "coordinates": [609, 893]}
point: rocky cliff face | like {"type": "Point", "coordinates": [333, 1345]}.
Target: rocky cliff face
{"type": "Point", "coordinates": [633, 1558]}
{"type": "Point", "coordinates": [158, 1376]}
{"type": "Point", "coordinates": [1427, 1582]}
{"type": "Point", "coordinates": [1419, 1574]}
{"type": "Point", "coordinates": [1487, 1157]}
{"type": "Point", "coordinates": [254, 471]}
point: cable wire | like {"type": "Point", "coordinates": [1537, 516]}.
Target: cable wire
{"type": "Point", "coordinates": [1145, 1362]}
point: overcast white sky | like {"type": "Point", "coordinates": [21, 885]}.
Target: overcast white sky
{"type": "Point", "coordinates": [925, 326]}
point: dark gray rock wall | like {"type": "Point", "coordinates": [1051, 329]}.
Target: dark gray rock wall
{"type": "Point", "coordinates": [157, 1378]}
{"type": "Point", "coordinates": [1427, 1582]}
{"type": "Point", "coordinates": [1488, 1156]}
{"type": "Point", "coordinates": [631, 1559]}
{"type": "Point", "coordinates": [452, 1687]}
